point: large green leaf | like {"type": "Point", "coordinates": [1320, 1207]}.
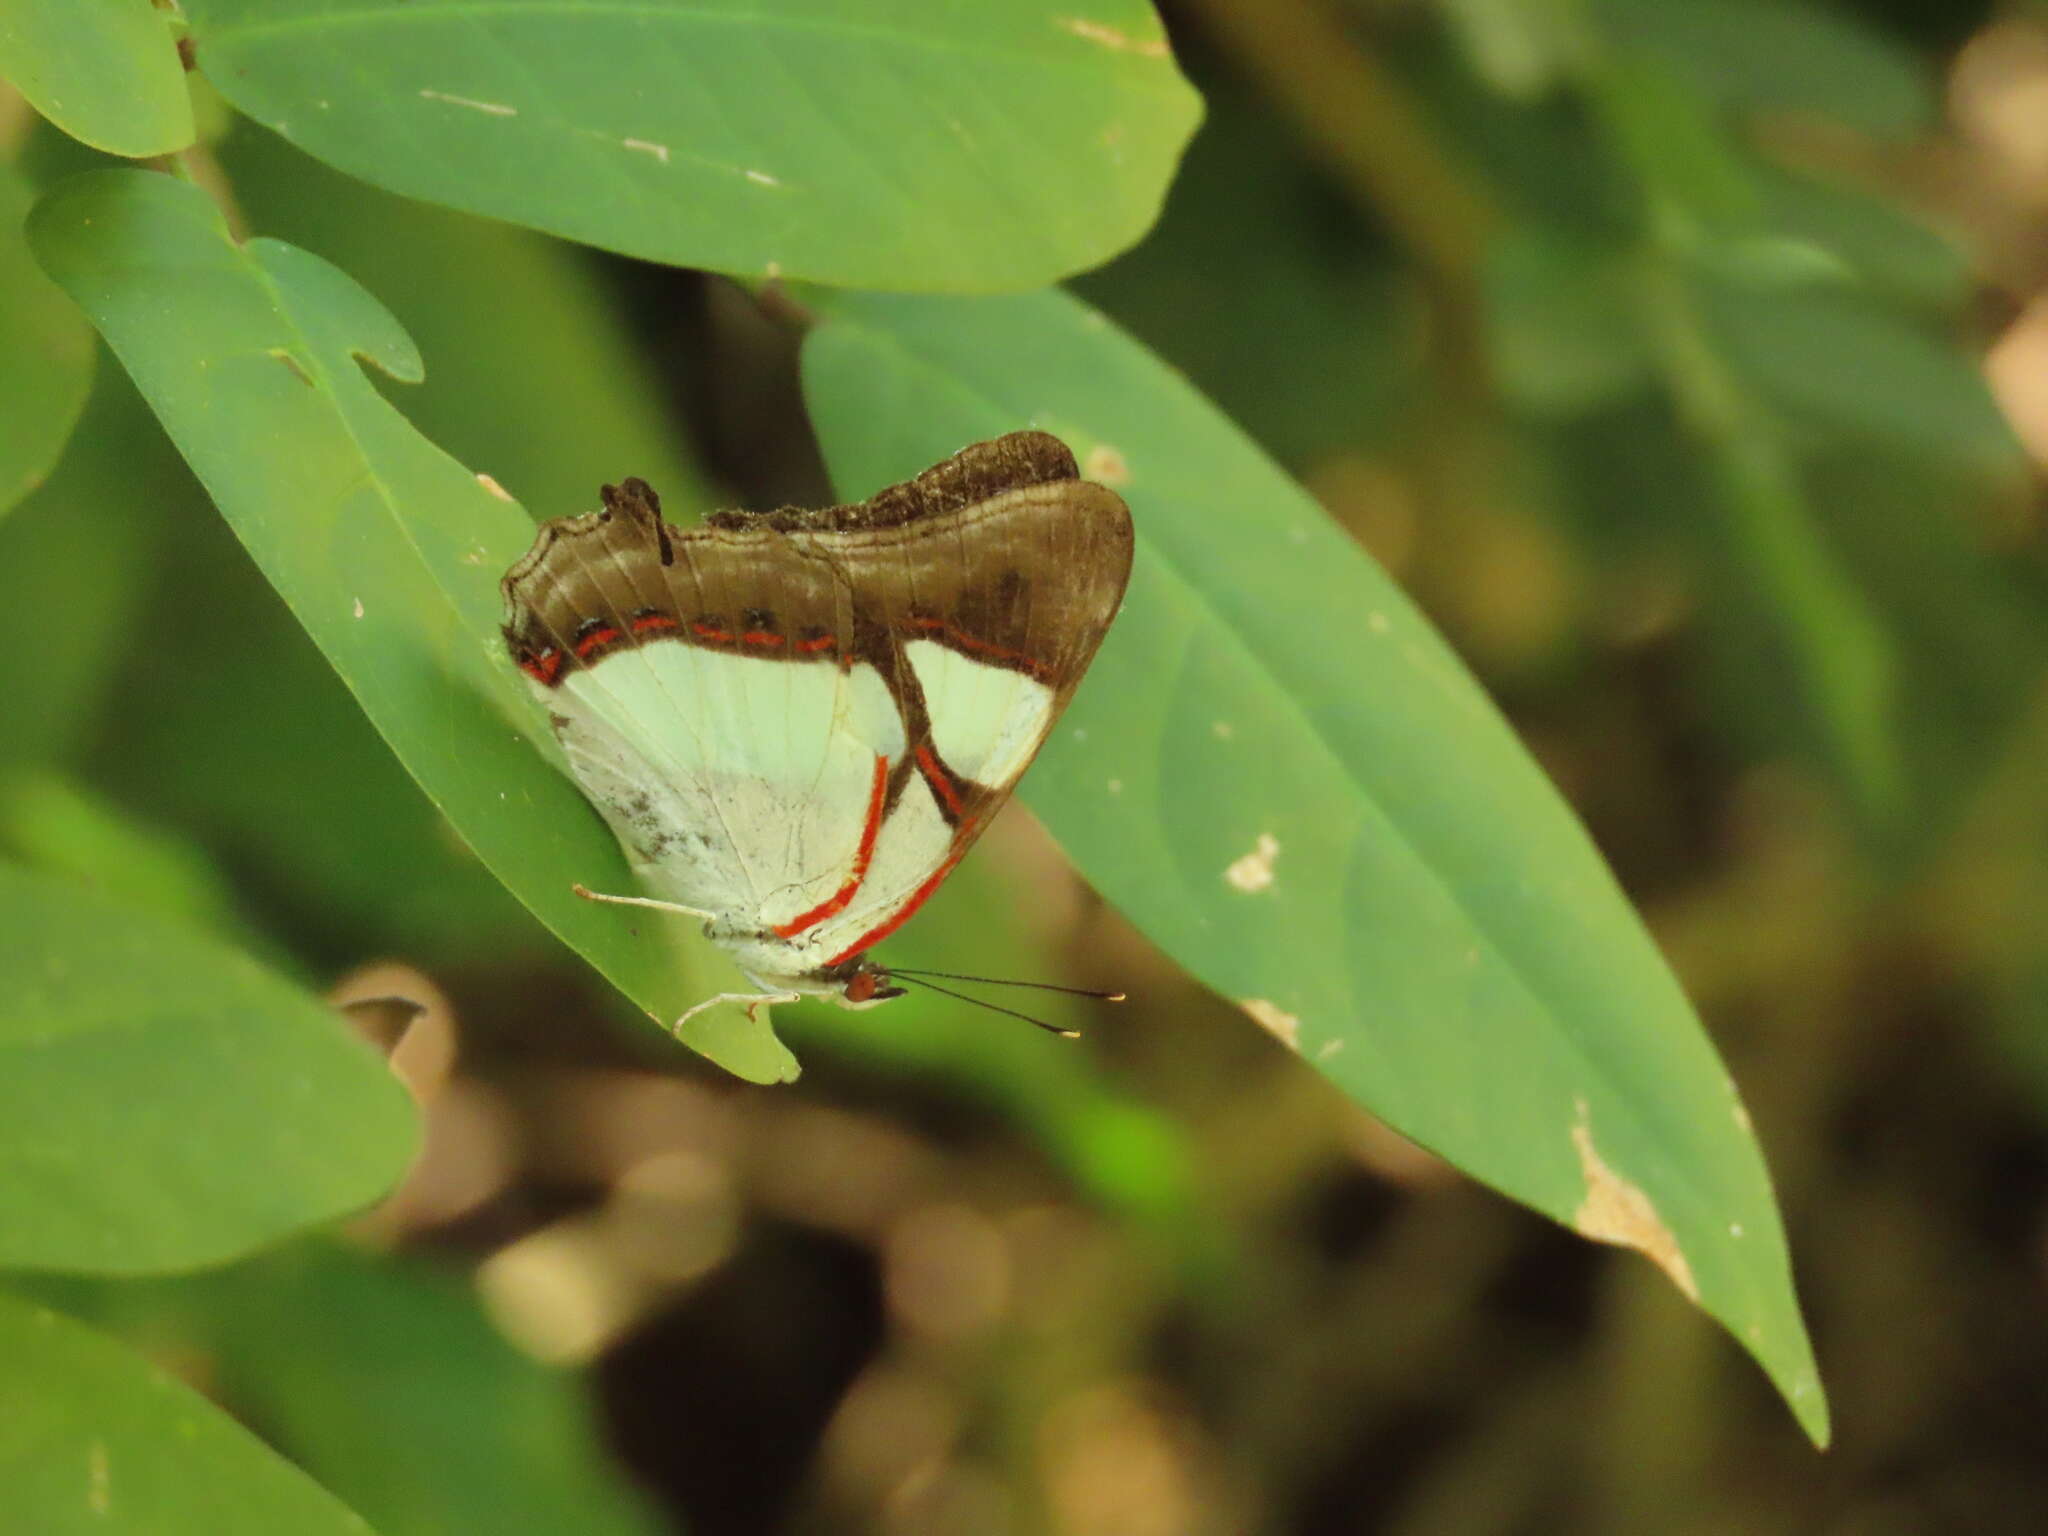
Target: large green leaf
{"type": "Point", "coordinates": [1282, 774]}
{"type": "Point", "coordinates": [164, 1101]}
{"type": "Point", "coordinates": [46, 365]}
{"type": "Point", "coordinates": [105, 71]}
{"type": "Point", "coordinates": [546, 337]}
{"type": "Point", "coordinates": [258, 746]}
{"type": "Point", "coordinates": [388, 552]}
{"type": "Point", "coordinates": [384, 1379]}
{"type": "Point", "coordinates": [92, 1439]}
{"type": "Point", "coordinates": [884, 143]}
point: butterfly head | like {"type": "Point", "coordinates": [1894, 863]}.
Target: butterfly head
{"type": "Point", "coordinates": [866, 985]}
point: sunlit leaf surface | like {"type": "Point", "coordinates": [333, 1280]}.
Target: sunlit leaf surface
{"type": "Point", "coordinates": [92, 1438]}
{"type": "Point", "coordinates": [164, 1101]}
{"type": "Point", "coordinates": [105, 71]}
{"type": "Point", "coordinates": [881, 143]}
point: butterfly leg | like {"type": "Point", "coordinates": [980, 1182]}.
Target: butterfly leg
{"type": "Point", "coordinates": [753, 1000]}
{"type": "Point", "coordinates": [642, 901]}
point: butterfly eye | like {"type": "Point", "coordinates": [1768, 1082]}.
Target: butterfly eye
{"type": "Point", "coordinates": [870, 986]}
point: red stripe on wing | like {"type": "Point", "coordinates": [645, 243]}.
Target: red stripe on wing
{"type": "Point", "coordinates": [542, 666]}
{"type": "Point", "coordinates": [936, 776]}
{"type": "Point", "coordinates": [918, 897]}
{"type": "Point", "coordinates": [870, 830]}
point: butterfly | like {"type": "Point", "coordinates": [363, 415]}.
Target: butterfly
{"type": "Point", "coordinates": [797, 722]}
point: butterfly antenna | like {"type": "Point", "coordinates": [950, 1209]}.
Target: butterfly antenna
{"type": "Point", "coordinates": [1051, 1029]}
{"type": "Point", "coordinates": [1001, 981]}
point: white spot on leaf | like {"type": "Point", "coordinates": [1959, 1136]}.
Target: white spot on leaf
{"type": "Point", "coordinates": [359, 607]}
{"type": "Point", "coordinates": [1106, 466]}
{"type": "Point", "coordinates": [1111, 37]}
{"type": "Point", "coordinates": [1284, 1027]}
{"type": "Point", "coordinates": [493, 108]}
{"type": "Point", "coordinates": [763, 179]}
{"type": "Point", "coordinates": [493, 487]}
{"type": "Point", "coordinates": [648, 147]}
{"type": "Point", "coordinates": [1616, 1211]}
{"type": "Point", "coordinates": [1254, 872]}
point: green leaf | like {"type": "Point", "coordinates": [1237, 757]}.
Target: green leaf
{"type": "Point", "coordinates": [94, 570]}
{"type": "Point", "coordinates": [384, 1379]}
{"type": "Point", "coordinates": [540, 377]}
{"type": "Point", "coordinates": [92, 1439]}
{"type": "Point", "coordinates": [1768, 54]}
{"type": "Point", "coordinates": [891, 143]}
{"type": "Point", "coordinates": [1899, 258]}
{"type": "Point", "coordinates": [257, 749]}
{"type": "Point", "coordinates": [536, 378]}
{"type": "Point", "coordinates": [46, 366]}
{"type": "Point", "coordinates": [59, 826]}
{"type": "Point", "coordinates": [1847, 365]}
{"type": "Point", "coordinates": [405, 1399]}
{"type": "Point", "coordinates": [1968, 626]}
{"type": "Point", "coordinates": [388, 552]}
{"type": "Point", "coordinates": [105, 71]}
{"type": "Point", "coordinates": [1698, 190]}
{"type": "Point", "coordinates": [164, 1101]}
{"type": "Point", "coordinates": [1280, 772]}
